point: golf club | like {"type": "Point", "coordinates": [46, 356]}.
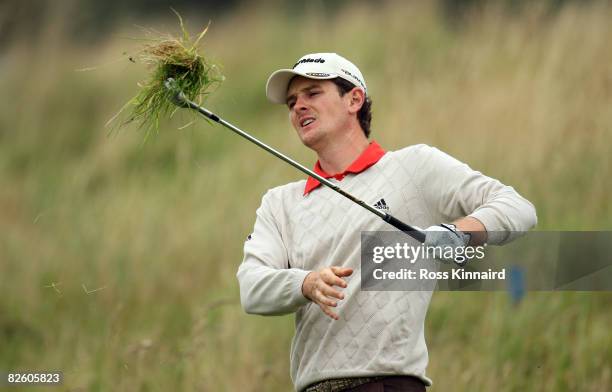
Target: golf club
{"type": "Point", "coordinates": [179, 99]}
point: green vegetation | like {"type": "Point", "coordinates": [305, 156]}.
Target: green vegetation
{"type": "Point", "coordinates": [177, 59]}
{"type": "Point", "coordinates": [118, 258]}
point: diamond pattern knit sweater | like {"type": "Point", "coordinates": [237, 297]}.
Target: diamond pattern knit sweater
{"type": "Point", "coordinates": [379, 332]}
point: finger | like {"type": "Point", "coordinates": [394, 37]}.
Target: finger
{"type": "Point", "coordinates": [329, 277]}
{"type": "Point", "coordinates": [333, 280]}
{"type": "Point", "coordinates": [328, 312]}
{"type": "Point", "coordinates": [342, 271]}
{"type": "Point", "coordinates": [330, 291]}
{"type": "Point", "coordinates": [322, 298]}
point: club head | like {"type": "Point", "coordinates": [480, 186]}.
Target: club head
{"type": "Point", "coordinates": [176, 95]}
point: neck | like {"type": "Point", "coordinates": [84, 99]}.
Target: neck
{"type": "Point", "coordinates": [336, 157]}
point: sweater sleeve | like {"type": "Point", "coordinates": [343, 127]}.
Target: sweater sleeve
{"type": "Point", "coordinates": [268, 286]}
{"type": "Point", "coordinates": [453, 190]}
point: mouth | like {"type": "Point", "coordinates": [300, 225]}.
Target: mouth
{"type": "Point", "coordinates": [306, 121]}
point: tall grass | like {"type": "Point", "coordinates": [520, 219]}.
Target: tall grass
{"type": "Point", "coordinates": [117, 258]}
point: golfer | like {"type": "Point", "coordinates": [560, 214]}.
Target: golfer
{"type": "Point", "coordinates": [305, 246]}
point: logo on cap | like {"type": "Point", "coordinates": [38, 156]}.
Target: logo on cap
{"type": "Point", "coordinates": [317, 74]}
{"type": "Point", "coordinates": [309, 60]}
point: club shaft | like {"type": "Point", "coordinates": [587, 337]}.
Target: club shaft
{"type": "Point", "coordinates": [411, 231]}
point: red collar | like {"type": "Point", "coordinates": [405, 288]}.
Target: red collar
{"type": "Point", "coordinates": [368, 157]}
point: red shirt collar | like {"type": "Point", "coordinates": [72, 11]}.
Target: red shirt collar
{"type": "Point", "coordinates": [368, 157]}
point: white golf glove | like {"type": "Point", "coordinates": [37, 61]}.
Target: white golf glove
{"type": "Point", "coordinates": [446, 237]}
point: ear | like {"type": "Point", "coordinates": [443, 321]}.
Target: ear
{"type": "Point", "coordinates": [356, 99]}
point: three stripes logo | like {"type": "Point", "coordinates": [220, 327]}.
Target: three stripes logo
{"type": "Point", "coordinates": [381, 205]}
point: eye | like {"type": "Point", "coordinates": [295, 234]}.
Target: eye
{"type": "Point", "coordinates": [290, 104]}
{"type": "Point", "coordinates": [313, 93]}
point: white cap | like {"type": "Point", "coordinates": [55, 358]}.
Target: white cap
{"type": "Point", "coordinates": [313, 66]}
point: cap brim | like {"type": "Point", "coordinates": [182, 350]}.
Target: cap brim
{"type": "Point", "coordinates": [278, 83]}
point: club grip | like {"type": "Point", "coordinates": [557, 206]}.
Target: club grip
{"type": "Point", "coordinates": [411, 231]}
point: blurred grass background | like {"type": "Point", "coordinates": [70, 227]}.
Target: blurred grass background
{"type": "Point", "coordinates": [118, 258]}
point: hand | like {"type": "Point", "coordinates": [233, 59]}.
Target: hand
{"type": "Point", "coordinates": [446, 237]}
{"type": "Point", "coordinates": [318, 286]}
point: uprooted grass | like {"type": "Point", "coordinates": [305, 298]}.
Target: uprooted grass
{"type": "Point", "coordinates": [177, 58]}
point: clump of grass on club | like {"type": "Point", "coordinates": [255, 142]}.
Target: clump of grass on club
{"type": "Point", "coordinates": [176, 58]}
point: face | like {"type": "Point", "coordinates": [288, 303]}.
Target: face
{"type": "Point", "coordinates": [317, 111]}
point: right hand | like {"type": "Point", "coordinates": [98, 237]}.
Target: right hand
{"type": "Point", "coordinates": [318, 286]}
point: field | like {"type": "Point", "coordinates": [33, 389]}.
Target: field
{"type": "Point", "coordinates": [118, 257]}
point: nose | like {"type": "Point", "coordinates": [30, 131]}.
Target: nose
{"type": "Point", "coordinates": [300, 104]}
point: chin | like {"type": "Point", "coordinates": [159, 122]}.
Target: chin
{"type": "Point", "coordinates": [307, 142]}
{"type": "Point", "coordinates": [309, 138]}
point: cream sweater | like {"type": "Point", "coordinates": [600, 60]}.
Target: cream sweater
{"type": "Point", "coordinates": [379, 332]}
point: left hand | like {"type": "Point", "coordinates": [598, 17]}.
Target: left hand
{"type": "Point", "coordinates": [446, 237]}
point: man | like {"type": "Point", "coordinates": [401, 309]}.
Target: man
{"type": "Point", "coordinates": [305, 245]}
